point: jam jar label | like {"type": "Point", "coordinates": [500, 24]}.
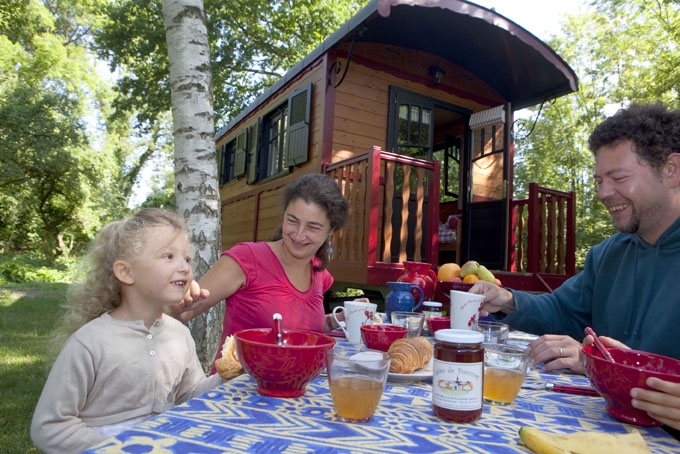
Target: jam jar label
{"type": "Point", "coordinates": [457, 386]}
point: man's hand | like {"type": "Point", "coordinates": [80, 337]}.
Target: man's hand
{"type": "Point", "coordinates": [557, 352]}
{"type": "Point", "coordinates": [496, 299]}
{"type": "Point", "coordinates": [606, 341]}
{"type": "Point", "coordinates": [662, 404]}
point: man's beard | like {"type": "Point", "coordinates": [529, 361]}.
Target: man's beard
{"type": "Point", "coordinates": [631, 226]}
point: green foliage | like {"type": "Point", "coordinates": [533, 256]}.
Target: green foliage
{"type": "Point", "coordinates": [622, 52]}
{"type": "Point", "coordinates": [253, 43]}
{"type": "Point", "coordinates": [163, 191]}
{"type": "Point", "coordinates": [53, 184]}
{"type": "Point", "coordinates": [47, 171]}
{"type": "Point", "coordinates": [349, 292]}
{"type": "Point", "coordinates": [19, 272]}
{"type": "Point", "coordinates": [34, 267]}
{"type": "Point", "coordinates": [132, 39]}
{"type": "Point", "coordinates": [28, 314]}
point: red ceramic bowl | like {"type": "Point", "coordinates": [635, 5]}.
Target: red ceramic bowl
{"type": "Point", "coordinates": [282, 370]}
{"type": "Point", "coordinates": [434, 324]}
{"type": "Point", "coordinates": [630, 370]}
{"type": "Point", "coordinates": [380, 337]}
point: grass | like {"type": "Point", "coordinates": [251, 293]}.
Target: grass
{"type": "Point", "coordinates": [28, 314]}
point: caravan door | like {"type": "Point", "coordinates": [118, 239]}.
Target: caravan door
{"type": "Point", "coordinates": [486, 203]}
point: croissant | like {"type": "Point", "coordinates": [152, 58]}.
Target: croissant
{"type": "Point", "coordinates": [409, 354]}
{"type": "Point", "coordinates": [228, 366]}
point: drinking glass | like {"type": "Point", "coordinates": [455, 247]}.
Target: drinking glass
{"type": "Point", "coordinates": [357, 381]}
{"type": "Point", "coordinates": [413, 321]}
{"type": "Point", "coordinates": [505, 366]}
{"type": "Point", "coordinates": [494, 332]}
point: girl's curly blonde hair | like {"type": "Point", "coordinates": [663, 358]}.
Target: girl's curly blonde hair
{"type": "Point", "coordinates": [99, 291]}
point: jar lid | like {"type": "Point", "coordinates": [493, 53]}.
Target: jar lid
{"type": "Point", "coordinates": [432, 303]}
{"type": "Point", "coordinates": [459, 336]}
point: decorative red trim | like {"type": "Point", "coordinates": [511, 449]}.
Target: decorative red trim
{"type": "Point", "coordinates": [374, 214]}
{"type": "Point", "coordinates": [433, 215]}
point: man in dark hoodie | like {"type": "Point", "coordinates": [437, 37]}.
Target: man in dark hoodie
{"type": "Point", "coordinates": [628, 287]}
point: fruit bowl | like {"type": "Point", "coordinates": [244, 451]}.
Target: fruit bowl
{"type": "Point", "coordinates": [282, 370]}
{"type": "Point", "coordinates": [614, 380]}
{"type": "Point", "coordinates": [380, 337]}
{"type": "Point", "coordinates": [443, 290]}
{"type": "Point", "coordinates": [448, 286]}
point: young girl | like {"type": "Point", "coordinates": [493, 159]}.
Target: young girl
{"type": "Point", "coordinates": [125, 360]}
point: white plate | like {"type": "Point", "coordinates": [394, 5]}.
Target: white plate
{"type": "Point", "coordinates": [419, 375]}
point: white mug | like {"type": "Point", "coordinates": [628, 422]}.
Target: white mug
{"type": "Point", "coordinates": [465, 308]}
{"type": "Point", "coordinates": [357, 313]}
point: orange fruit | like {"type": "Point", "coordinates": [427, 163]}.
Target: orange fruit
{"type": "Point", "coordinates": [448, 271]}
{"type": "Point", "coordinates": [470, 279]}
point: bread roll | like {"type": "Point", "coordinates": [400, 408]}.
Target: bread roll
{"type": "Point", "coordinates": [409, 354]}
{"type": "Point", "coordinates": [229, 366]}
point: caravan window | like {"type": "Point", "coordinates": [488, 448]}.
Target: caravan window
{"type": "Point", "coordinates": [280, 139]}
{"type": "Point", "coordinates": [232, 159]}
{"type": "Point", "coordinates": [275, 127]}
{"type": "Point", "coordinates": [226, 162]}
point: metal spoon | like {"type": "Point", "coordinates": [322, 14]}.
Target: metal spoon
{"type": "Point", "coordinates": [278, 328]}
{"type": "Point", "coordinates": [600, 346]}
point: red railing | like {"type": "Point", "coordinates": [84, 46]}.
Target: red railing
{"type": "Point", "coordinates": [392, 218]}
{"type": "Point", "coordinates": [544, 227]}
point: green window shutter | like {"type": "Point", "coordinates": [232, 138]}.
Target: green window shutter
{"type": "Point", "coordinates": [251, 165]}
{"type": "Point", "coordinates": [240, 154]}
{"type": "Point", "coordinates": [297, 145]}
{"type": "Point", "coordinates": [220, 162]}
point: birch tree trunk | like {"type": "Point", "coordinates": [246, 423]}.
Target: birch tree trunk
{"type": "Point", "coordinates": [197, 196]}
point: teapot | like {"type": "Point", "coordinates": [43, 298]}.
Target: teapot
{"type": "Point", "coordinates": [422, 275]}
{"type": "Point", "coordinates": [400, 298]}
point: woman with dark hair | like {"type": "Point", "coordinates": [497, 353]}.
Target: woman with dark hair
{"type": "Point", "coordinates": [285, 275]}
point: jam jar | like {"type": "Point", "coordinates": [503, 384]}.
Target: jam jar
{"type": "Point", "coordinates": [458, 375]}
{"type": "Point", "coordinates": [432, 309]}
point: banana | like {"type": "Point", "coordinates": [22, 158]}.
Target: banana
{"type": "Point", "coordinates": [469, 267]}
{"type": "Point", "coordinates": [484, 274]}
{"type": "Point", "coordinates": [583, 442]}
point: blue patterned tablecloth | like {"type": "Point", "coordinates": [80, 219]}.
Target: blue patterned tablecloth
{"type": "Point", "coordinates": [234, 418]}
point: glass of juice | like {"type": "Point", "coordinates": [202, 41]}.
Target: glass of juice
{"type": "Point", "coordinates": [356, 381]}
{"type": "Point", "coordinates": [505, 366]}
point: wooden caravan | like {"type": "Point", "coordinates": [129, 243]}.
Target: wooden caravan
{"type": "Point", "coordinates": [408, 106]}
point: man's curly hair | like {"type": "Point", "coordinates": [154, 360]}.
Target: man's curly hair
{"type": "Point", "coordinates": [653, 129]}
